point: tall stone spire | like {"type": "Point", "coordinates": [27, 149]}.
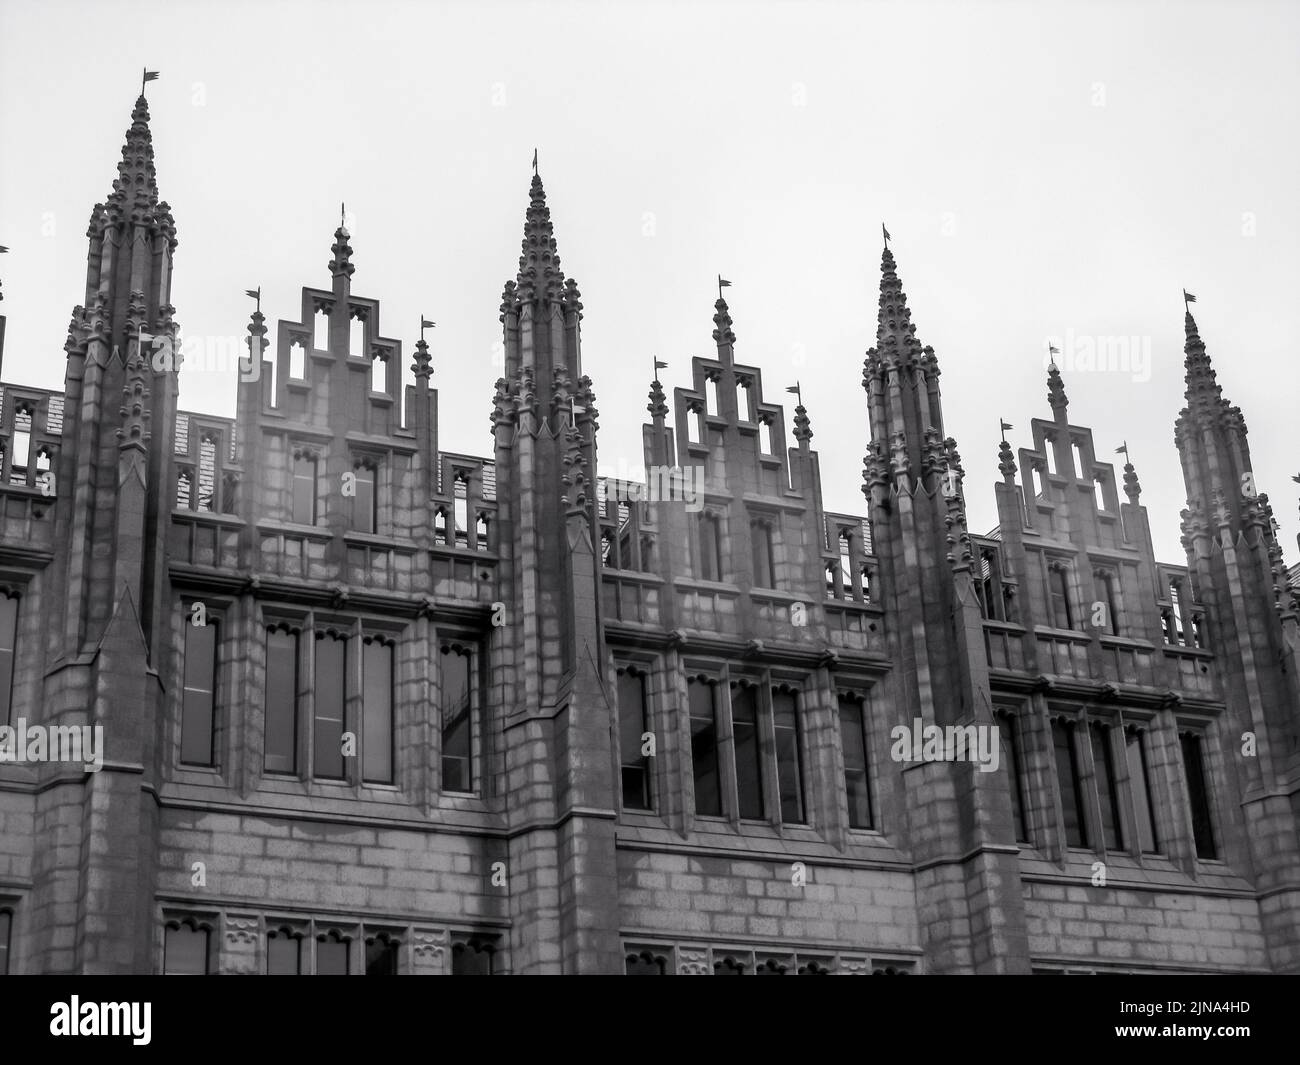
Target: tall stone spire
{"type": "Point", "coordinates": [540, 276]}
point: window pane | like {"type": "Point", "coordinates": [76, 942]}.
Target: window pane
{"type": "Point", "coordinates": [1108, 798]}
{"type": "Point", "coordinates": [6, 924]}
{"type": "Point", "coordinates": [381, 958]}
{"type": "Point", "coordinates": [1067, 774]}
{"type": "Point", "coordinates": [856, 781]}
{"type": "Point", "coordinates": [789, 771]}
{"type": "Point", "coordinates": [363, 504]}
{"type": "Point", "coordinates": [467, 960]}
{"type": "Point", "coordinates": [283, 955]}
{"type": "Point", "coordinates": [331, 654]}
{"type": "Point", "coordinates": [1135, 749]}
{"type": "Point", "coordinates": [281, 702]}
{"type": "Point", "coordinates": [331, 957]}
{"type": "Point", "coordinates": [457, 720]}
{"type": "Point", "coordinates": [704, 749]}
{"type": "Point", "coordinates": [749, 760]}
{"type": "Point", "coordinates": [199, 693]}
{"type": "Point", "coordinates": [185, 952]}
{"type": "Point", "coordinates": [631, 727]}
{"type": "Point", "coordinates": [377, 713]}
{"type": "Point", "coordinates": [645, 965]}
{"type": "Point", "coordinates": [1008, 733]}
{"type": "Point", "coordinates": [304, 491]}
{"type": "Point", "coordinates": [1198, 796]}
{"type": "Point", "coordinates": [8, 635]}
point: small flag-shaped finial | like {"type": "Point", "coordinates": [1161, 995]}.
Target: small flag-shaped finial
{"type": "Point", "coordinates": [256, 293]}
{"type": "Point", "coordinates": [886, 233]}
{"type": "Point", "coordinates": [149, 75]}
{"type": "Point", "coordinates": [1005, 427]}
{"type": "Point", "coordinates": [534, 160]}
{"type": "Point", "coordinates": [425, 324]}
{"type": "Point", "coordinates": [1187, 298]}
{"type": "Point", "coordinates": [659, 366]}
{"type": "Point", "coordinates": [798, 392]}
{"type": "Point", "coordinates": [722, 283]}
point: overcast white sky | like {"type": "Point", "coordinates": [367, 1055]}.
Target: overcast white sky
{"type": "Point", "coordinates": [1044, 169]}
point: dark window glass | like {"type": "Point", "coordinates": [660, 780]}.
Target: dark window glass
{"type": "Point", "coordinates": [764, 569]}
{"type": "Point", "coordinates": [283, 955]}
{"type": "Point", "coordinates": [6, 927]}
{"type": "Point", "coordinates": [771, 967]}
{"type": "Point", "coordinates": [990, 585]}
{"type": "Point", "coordinates": [1067, 775]}
{"type": "Point", "coordinates": [749, 759]}
{"type": "Point", "coordinates": [377, 713]}
{"type": "Point", "coordinates": [1103, 762]}
{"type": "Point", "coordinates": [789, 765]}
{"type": "Point", "coordinates": [704, 748]}
{"type": "Point", "coordinates": [8, 636]}
{"type": "Point", "coordinates": [331, 957]}
{"type": "Point", "coordinates": [327, 744]}
{"type": "Point", "coordinates": [710, 548]}
{"type": "Point", "coordinates": [857, 781]}
{"type": "Point", "coordinates": [281, 702]}
{"type": "Point", "coordinates": [1112, 603]}
{"type": "Point", "coordinates": [1063, 617]}
{"type": "Point", "coordinates": [1140, 778]}
{"type": "Point", "coordinates": [199, 695]}
{"type": "Point", "coordinates": [381, 957]}
{"type": "Point", "coordinates": [645, 964]}
{"type": "Point", "coordinates": [1198, 796]}
{"type": "Point", "coordinates": [364, 502]}
{"type": "Point", "coordinates": [185, 952]}
{"type": "Point", "coordinates": [457, 721]}
{"type": "Point", "coordinates": [729, 967]}
{"type": "Point", "coordinates": [1009, 734]}
{"type": "Point", "coordinates": [469, 960]}
{"type": "Point", "coordinates": [304, 490]}
{"type": "Point", "coordinates": [635, 767]}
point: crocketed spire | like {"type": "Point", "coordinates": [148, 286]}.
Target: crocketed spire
{"type": "Point", "coordinates": [1056, 391]}
{"type": "Point", "coordinates": [341, 264]}
{"type": "Point", "coordinates": [722, 331]}
{"type": "Point", "coordinates": [540, 276]}
{"type": "Point", "coordinates": [895, 333]}
{"type": "Point", "coordinates": [135, 190]}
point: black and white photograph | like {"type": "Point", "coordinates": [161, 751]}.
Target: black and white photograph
{"type": "Point", "coordinates": [650, 489]}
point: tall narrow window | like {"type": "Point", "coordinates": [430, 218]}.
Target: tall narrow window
{"type": "Point", "coordinates": [357, 336]}
{"type": "Point", "coordinates": [321, 323]}
{"type": "Point", "coordinates": [22, 445]}
{"type": "Point", "coordinates": [457, 720]}
{"type": "Point", "coordinates": [846, 566]}
{"type": "Point", "coordinates": [632, 726]}
{"type": "Point", "coordinates": [789, 760]}
{"type": "Point", "coordinates": [1139, 775]}
{"type": "Point", "coordinates": [364, 503]}
{"type": "Point", "coordinates": [1111, 601]}
{"type": "Point", "coordinates": [199, 693]}
{"type": "Point", "coordinates": [1077, 454]}
{"type": "Point", "coordinates": [8, 641]}
{"type": "Point", "coordinates": [711, 395]}
{"type": "Point", "coordinates": [1198, 795]}
{"type": "Point", "coordinates": [990, 585]}
{"type": "Point", "coordinates": [765, 445]}
{"type": "Point", "coordinates": [462, 522]}
{"type": "Point", "coordinates": [381, 956]}
{"type": "Point", "coordinates": [377, 712]}
{"type": "Point", "coordinates": [749, 758]}
{"type": "Point", "coordinates": [332, 955]}
{"type": "Point", "coordinates": [378, 374]}
{"type": "Point", "coordinates": [764, 570]}
{"type": "Point", "coordinates": [1103, 762]}
{"type": "Point", "coordinates": [207, 473]}
{"type": "Point", "coordinates": [281, 702]}
{"type": "Point", "coordinates": [1059, 588]}
{"type": "Point", "coordinates": [283, 954]}
{"type": "Point", "coordinates": [857, 781]}
{"type": "Point", "coordinates": [297, 360]}
{"type": "Point", "coordinates": [6, 927]}
{"type": "Point", "coordinates": [1009, 735]}
{"type": "Point", "coordinates": [1179, 633]}
{"type": "Point", "coordinates": [1071, 784]}
{"type": "Point", "coordinates": [745, 399]}
{"type": "Point", "coordinates": [185, 951]}
{"type": "Point", "coordinates": [304, 489]}
{"type": "Point", "coordinates": [694, 424]}
{"type": "Point", "coordinates": [704, 747]}
{"type": "Point", "coordinates": [1049, 452]}
{"type": "Point", "coordinates": [184, 486]}
{"type": "Point", "coordinates": [1099, 493]}
{"type": "Point", "coordinates": [440, 526]}
{"type": "Point", "coordinates": [709, 547]}
{"type": "Point", "coordinates": [327, 725]}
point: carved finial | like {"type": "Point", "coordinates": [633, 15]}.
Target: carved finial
{"type": "Point", "coordinates": [341, 265]}
{"type": "Point", "coordinates": [658, 405]}
{"type": "Point", "coordinates": [540, 276]}
{"type": "Point", "coordinates": [422, 367]}
{"type": "Point", "coordinates": [1006, 462]}
{"type": "Point", "coordinates": [1131, 487]}
{"type": "Point", "coordinates": [1056, 391]}
{"type": "Point", "coordinates": [723, 334]}
{"type": "Point", "coordinates": [802, 427]}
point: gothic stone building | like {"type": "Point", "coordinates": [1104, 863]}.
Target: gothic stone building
{"type": "Point", "coordinates": [372, 706]}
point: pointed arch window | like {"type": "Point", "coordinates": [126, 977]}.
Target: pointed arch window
{"type": "Point", "coordinates": [709, 546]}
{"type": "Point", "coordinates": [1058, 585]}
{"type": "Point", "coordinates": [711, 396]}
{"type": "Point", "coordinates": [321, 328]}
{"type": "Point", "coordinates": [459, 712]}
{"type": "Point", "coordinates": [633, 724]}
{"type": "Point", "coordinates": [332, 954]}
{"type": "Point", "coordinates": [297, 360]}
{"type": "Point", "coordinates": [284, 952]}
{"type": "Point", "coordinates": [857, 779]}
{"type": "Point", "coordinates": [186, 949]}
{"type": "Point", "coordinates": [765, 445]}
{"type": "Point", "coordinates": [305, 479]}
{"type": "Point", "coordinates": [379, 372]}
{"type": "Point", "coordinates": [365, 501]}
{"type": "Point", "coordinates": [357, 333]}
{"type": "Point", "coordinates": [760, 532]}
